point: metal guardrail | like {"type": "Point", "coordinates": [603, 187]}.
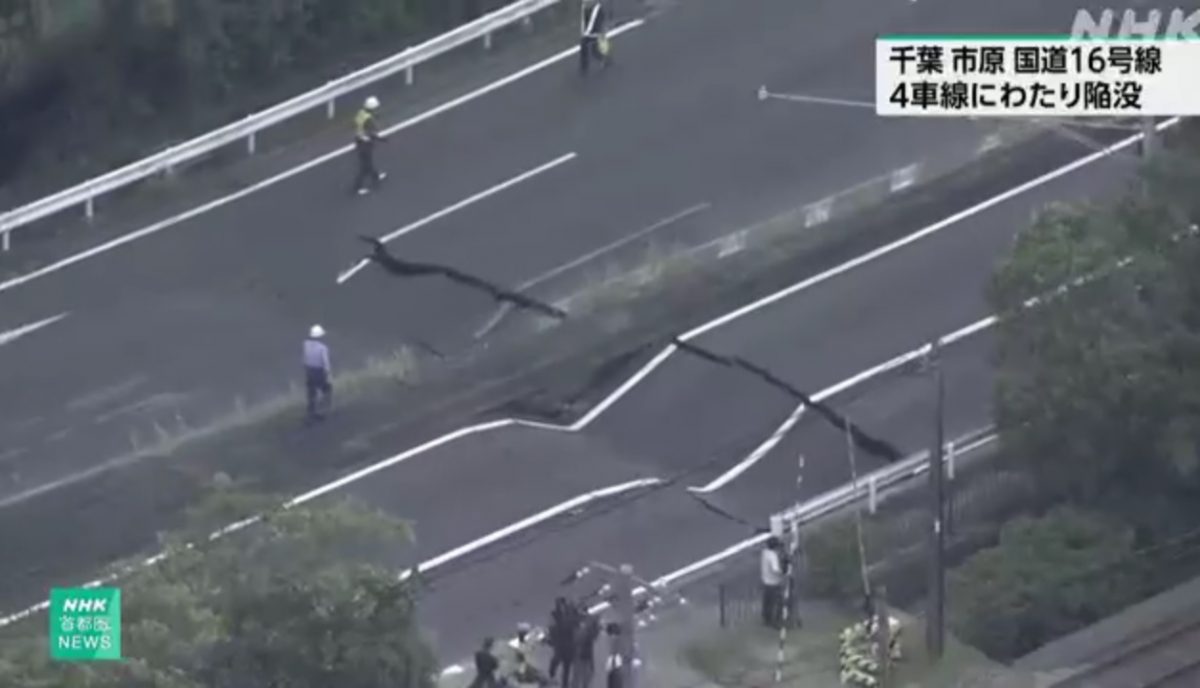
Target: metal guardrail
{"type": "Point", "coordinates": [247, 128]}
{"type": "Point", "coordinates": [871, 485]}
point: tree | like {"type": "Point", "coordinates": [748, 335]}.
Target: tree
{"type": "Point", "coordinates": [293, 600]}
{"type": "Point", "coordinates": [1098, 387]}
{"type": "Point", "coordinates": [1046, 577]}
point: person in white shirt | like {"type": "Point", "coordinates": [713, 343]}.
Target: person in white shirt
{"type": "Point", "coordinates": [772, 578]}
{"type": "Point", "coordinates": [317, 374]}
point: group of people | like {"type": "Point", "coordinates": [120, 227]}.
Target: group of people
{"type": "Point", "coordinates": [571, 639]}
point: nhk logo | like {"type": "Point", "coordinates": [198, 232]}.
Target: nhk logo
{"type": "Point", "coordinates": [77, 605]}
{"type": "Point", "coordinates": [1146, 24]}
{"type": "Point", "coordinates": [85, 624]}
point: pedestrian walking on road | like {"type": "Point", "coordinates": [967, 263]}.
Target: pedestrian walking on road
{"type": "Point", "coordinates": [366, 135]}
{"type": "Point", "coordinates": [563, 621]}
{"type": "Point", "coordinates": [584, 668]}
{"type": "Point", "coordinates": [593, 37]}
{"type": "Point", "coordinates": [317, 374]}
{"type": "Point", "coordinates": [771, 565]}
{"type": "Point", "coordinates": [486, 666]}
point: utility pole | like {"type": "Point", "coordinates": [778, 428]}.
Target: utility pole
{"type": "Point", "coordinates": [935, 621]}
{"type": "Point", "coordinates": [623, 605]}
{"type": "Point", "coordinates": [1149, 137]}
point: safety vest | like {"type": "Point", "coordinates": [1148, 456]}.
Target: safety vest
{"type": "Point", "coordinates": [362, 124]}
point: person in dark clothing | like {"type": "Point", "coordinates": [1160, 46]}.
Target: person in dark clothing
{"type": "Point", "coordinates": [486, 666]}
{"type": "Point", "coordinates": [584, 668]}
{"type": "Point", "coordinates": [613, 678]}
{"type": "Point", "coordinates": [773, 579]}
{"type": "Point", "coordinates": [366, 135]}
{"type": "Point", "coordinates": [591, 33]}
{"type": "Point", "coordinates": [563, 621]}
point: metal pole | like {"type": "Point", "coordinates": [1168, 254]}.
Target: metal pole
{"type": "Point", "coordinates": [625, 612]}
{"type": "Point", "coordinates": [1149, 137]}
{"type": "Point", "coordinates": [951, 458]}
{"type": "Point", "coordinates": [883, 637]}
{"type": "Point", "coordinates": [785, 617]}
{"type": "Point", "coordinates": [935, 618]}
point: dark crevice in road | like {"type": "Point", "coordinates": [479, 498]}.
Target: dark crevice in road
{"type": "Point", "coordinates": [866, 441]}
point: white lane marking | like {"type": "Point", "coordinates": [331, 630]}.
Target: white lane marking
{"type": "Point", "coordinates": [764, 94]}
{"type": "Point", "coordinates": [299, 169]}
{"type": "Point", "coordinates": [645, 371]}
{"type": "Point", "coordinates": [404, 456]}
{"type": "Point", "coordinates": [535, 519]}
{"type": "Point", "coordinates": [587, 258]}
{"type": "Point", "coordinates": [864, 259]}
{"type": "Point", "coordinates": [739, 547]}
{"type": "Point", "coordinates": [754, 456]}
{"type": "Point", "coordinates": [470, 200]}
{"type": "Point", "coordinates": [786, 427]}
{"type": "Point", "coordinates": [14, 335]}
{"type": "Point", "coordinates": [526, 523]}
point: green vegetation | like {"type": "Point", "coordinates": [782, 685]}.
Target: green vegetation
{"type": "Point", "coordinates": [1097, 389]}
{"type": "Point", "coordinates": [91, 83]}
{"type": "Point", "coordinates": [1097, 398]}
{"type": "Point", "coordinates": [292, 601]}
{"type": "Point", "coordinates": [1046, 577]}
{"type": "Point", "coordinates": [834, 567]}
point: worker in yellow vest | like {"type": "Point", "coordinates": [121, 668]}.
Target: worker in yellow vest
{"type": "Point", "coordinates": [366, 135]}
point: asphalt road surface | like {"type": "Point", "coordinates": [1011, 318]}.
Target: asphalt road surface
{"type": "Point", "coordinates": [688, 422]}
{"type": "Point", "coordinates": [181, 323]}
{"type": "Point", "coordinates": [175, 328]}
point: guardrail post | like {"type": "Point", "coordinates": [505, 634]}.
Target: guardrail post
{"type": "Point", "coordinates": [251, 143]}
{"type": "Point", "coordinates": [89, 208]}
{"type": "Point", "coordinates": [331, 108]}
{"type": "Point", "coordinates": [4, 239]}
{"type": "Point", "coordinates": [487, 41]}
{"type": "Point", "coordinates": [950, 455]}
{"type": "Point", "coordinates": [872, 495]}
{"type": "Point", "coordinates": [409, 76]}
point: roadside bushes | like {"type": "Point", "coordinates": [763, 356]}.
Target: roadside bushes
{"type": "Point", "coordinates": [145, 71]}
{"type": "Point", "coordinates": [1045, 578]}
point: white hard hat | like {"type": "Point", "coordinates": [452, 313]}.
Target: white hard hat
{"type": "Point", "coordinates": [372, 103]}
{"type": "Point", "coordinates": [316, 332]}
{"type": "Point", "coordinates": [524, 627]}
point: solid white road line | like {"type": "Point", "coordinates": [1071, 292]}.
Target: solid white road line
{"type": "Point", "coordinates": [587, 258]}
{"type": "Point", "coordinates": [14, 335]}
{"type": "Point", "coordinates": [790, 422]}
{"type": "Point", "coordinates": [739, 547]}
{"type": "Point", "coordinates": [864, 259]}
{"type": "Point", "coordinates": [718, 322]}
{"type": "Point", "coordinates": [471, 200]}
{"type": "Point", "coordinates": [535, 519]}
{"type": "Point", "coordinates": [447, 557]}
{"type": "Point", "coordinates": [299, 169]}
{"type": "Point", "coordinates": [731, 551]}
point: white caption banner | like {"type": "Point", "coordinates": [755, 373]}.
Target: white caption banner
{"type": "Point", "coordinates": [1036, 76]}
